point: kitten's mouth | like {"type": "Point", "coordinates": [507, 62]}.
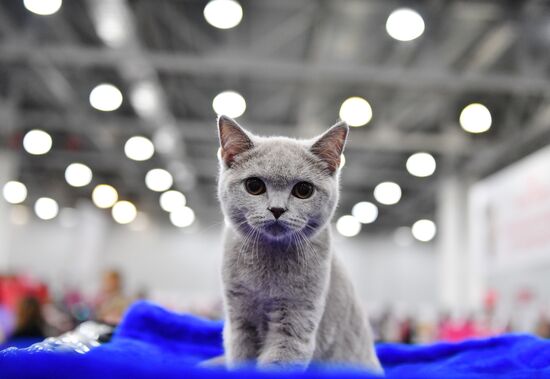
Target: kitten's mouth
{"type": "Point", "coordinates": [276, 229]}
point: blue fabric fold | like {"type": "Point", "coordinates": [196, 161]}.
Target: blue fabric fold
{"type": "Point", "coordinates": [152, 342]}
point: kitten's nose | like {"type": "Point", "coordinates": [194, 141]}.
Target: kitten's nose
{"type": "Point", "coordinates": [277, 212]}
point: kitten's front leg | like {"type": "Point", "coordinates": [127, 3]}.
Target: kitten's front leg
{"type": "Point", "coordinates": [290, 340]}
{"type": "Point", "coordinates": [240, 340]}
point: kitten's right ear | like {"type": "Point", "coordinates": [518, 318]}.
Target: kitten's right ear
{"type": "Point", "coordinates": [233, 139]}
{"type": "Point", "coordinates": [330, 145]}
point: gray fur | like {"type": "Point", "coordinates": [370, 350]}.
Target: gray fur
{"type": "Point", "coordinates": [287, 298]}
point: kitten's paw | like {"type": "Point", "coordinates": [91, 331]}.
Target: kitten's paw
{"type": "Point", "coordinates": [278, 362]}
{"type": "Point", "coordinates": [212, 362]}
{"type": "Point", "coordinates": [282, 366]}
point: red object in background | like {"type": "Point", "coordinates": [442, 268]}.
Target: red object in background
{"type": "Point", "coordinates": [73, 143]}
{"type": "Point", "coordinates": [490, 299]}
{"type": "Point", "coordinates": [14, 288]}
{"type": "Point", "coordinates": [454, 330]}
{"type": "Point", "coordinates": [524, 295]}
{"type": "Point", "coordinates": [15, 141]}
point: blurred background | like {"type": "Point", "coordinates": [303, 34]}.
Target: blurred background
{"type": "Point", "coordinates": [108, 149]}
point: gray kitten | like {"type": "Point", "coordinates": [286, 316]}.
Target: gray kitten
{"type": "Point", "coordinates": [287, 298]}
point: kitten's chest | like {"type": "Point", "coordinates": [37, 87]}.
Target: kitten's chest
{"type": "Point", "coordinates": [258, 283]}
{"type": "Point", "coordinates": [266, 274]}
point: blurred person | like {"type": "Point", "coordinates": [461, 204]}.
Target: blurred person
{"type": "Point", "coordinates": [389, 327]}
{"type": "Point", "coordinates": [407, 331]}
{"type": "Point", "coordinates": [142, 293]}
{"type": "Point", "coordinates": [111, 302]}
{"type": "Point", "coordinates": [30, 324]}
{"type": "Point", "coordinates": [542, 327]}
{"type": "Point", "coordinates": [6, 322]}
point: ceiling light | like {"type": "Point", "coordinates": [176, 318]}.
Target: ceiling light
{"type": "Point", "coordinates": [421, 164]}
{"type": "Point", "coordinates": [158, 180]}
{"type": "Point", "coordinates": [15, 192]}
{"type": "Point", "coordinates": [139, 148]}
{"type": "Point", "coordinates": [145, 99]}
{"type": "Point", "coordinates": [424, 230]}
{"type": "Point", "coordinates": [46, 208]}
{"type": "Point", "coordinates": [37, 142]}
{"type": "Point", "coordinates": [42, 7]}
{"type": "Point", "coordinates": [475, 118]}
{"type": "Point", "coordinates": [229, 103]}
{"type": "Point", "coordinates": [164, 140]}
{"type": "Point", "coordinates": [104, 196]}
{"type": "Point", "coordinates": [356, 111]}
{"type": "Point", "coordinates": [365, 212]}
{"type": "Point", "coordinates": [342, 161]}
{"type": "Point", "coordinates": [348, 226]}
{"type": "Point", "coordinates": [106, 97]}
{"type": "Point", "coordinates": [111, 22]}
{"type": "Point", "coordinates": [182, 217]}
{"type": "Point", "coordinates": [405, 24]}
{"type": "Point", "coordinates": [124, 212]}
{"type": "Point", "coordinates": [78, 175]}
{"type": "Point", "coordinates": [223, 14]}
{"type": "Point", "coordinates": [387, 193]}
{"type": "Point", "coordinates": [172, 200]}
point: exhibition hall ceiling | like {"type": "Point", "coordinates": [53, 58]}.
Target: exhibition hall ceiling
{"type": "Point", "coordinates": [464, 82]}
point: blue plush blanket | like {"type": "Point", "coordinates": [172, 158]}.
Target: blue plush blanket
{"type": "Point", "coordinates": [154, 343]}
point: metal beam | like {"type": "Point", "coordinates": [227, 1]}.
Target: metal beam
{"type": "Point", "coordinates": [450, 142]}
{"type": "Point", "coordinates": [284, 70]}
{"type": "Point", "coordinates": [487, 160]}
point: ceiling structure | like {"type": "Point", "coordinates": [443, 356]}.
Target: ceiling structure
{"type": "Point", "coordinates": [294, 62]}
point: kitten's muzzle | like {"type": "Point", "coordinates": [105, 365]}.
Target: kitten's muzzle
{"type": "Point", "coordinates": [277, 212]}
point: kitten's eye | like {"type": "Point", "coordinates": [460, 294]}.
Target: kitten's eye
{"type": "Point", "coordinates": [303, 190]}
{"type": "Point", "coordinates": [254, 186]}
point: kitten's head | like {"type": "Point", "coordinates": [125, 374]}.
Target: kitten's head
{"type": "Point", "coordinates": [278, 187]}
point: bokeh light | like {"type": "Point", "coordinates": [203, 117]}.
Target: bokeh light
{"type": "Point", "coordinates": [104, 196]}
{"type": "Point", "coordinates": [475, 118]}
{"type": "Point", "coordinates": [387, 193]}
{"type": "Point", "coordinates": [78, 175]}
{"type": "Point", "coordinates": [424, 230]}
{"type": "Point", "coordinates": [158, 180]}
{"type": "Point", "coordinates": [356, 111]}
{"type": "Point", "coordinates": [223, 14]}
{"type": "Point", "coordinates": [405, 24]}
{"type": "Point", "coordinates": [421, 165]}
{"type": "Point", "coordinates": [348, 226]}
{"type": "Point", "coordinates": [37, 142]}
{"type": "Point", "coordinates": [365, 212]}
{"type": "Point", "coordinates": [46, 208]}
{"type": "Point", "coordinates": [145, 99]}
{"type": "Point", "coordinates": [342, 161]}
{"type": "Point", "coordinates": [229, 103]}
{"type": "Point", "coordinates": [14, 192]}
{"type": "Point", "coordinates": [106, 97]}
{"type": "Point", "coordinates": [172, 200]}
{"type": "Point", "coordinates": [124, 212]}
{"type": "Point", "coordinates": [182, 217]}
{"type": "Point", "coordinates": [43, 7]}
{"type": "Point", "coordinates": [139, 148]}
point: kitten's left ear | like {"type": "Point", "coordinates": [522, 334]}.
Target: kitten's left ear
{"type": "Point", "coordinates": [330, 145]}
{"type": "Point", "coordinates": [233, 139]}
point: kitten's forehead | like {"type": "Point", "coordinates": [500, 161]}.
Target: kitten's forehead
{"type": "Point", "coordinates": [282, 160]}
